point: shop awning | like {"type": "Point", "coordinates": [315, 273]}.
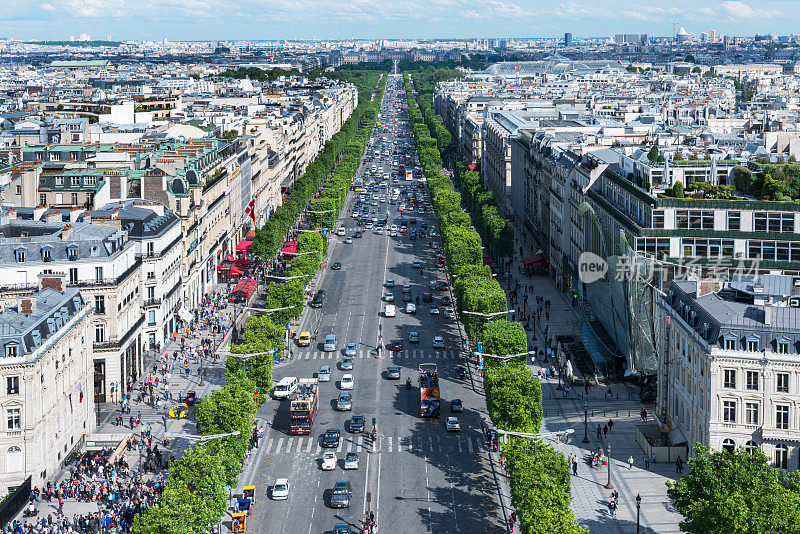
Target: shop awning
{"type": "Point", "coordinates": [290, 247]}
{"type": "Point", "coordinates": [247, 285]}
{"type": "Point", "coordinates": [223, 267]}
{"type": "Point", "coordinates": [242, 263]}
{"type": "Point", "coordinates": [230, 257]}
{"type": "Point", "coordinates": [244, 246]}
{"type": "Point", "coordinates": [250, 235]}
{"type": "Point", "coordinates": [536, 259]}
{"type": "Point", "coordinates": [235, 271]}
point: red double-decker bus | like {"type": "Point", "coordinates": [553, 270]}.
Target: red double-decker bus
{"type": "Point", "coordinates": [303, 406]}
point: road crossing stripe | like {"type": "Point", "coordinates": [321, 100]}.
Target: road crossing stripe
{"type": "Point", "coordinates": [299, 445]}
{"type": "Point", "coordinates": [269, 444]}
{"type": "Point", "coordinates": [310, 443]}
{"type": "Point", "coordinates": [339, 448]}
{"type": "Point", "coordinates": [469, 445]}
{"type": "Point", "coordinates": [460, 448]}
{"type": "Point", "coordinates": [430, 443]}
{"type": "Point", "coordinates": [349, 445]}
{"type": "Point", "coordinates": [280, 444]}
{"type": "Point", "coordinates": [360, 445]}
{"type": "Point", "coordinates": [389, 445]}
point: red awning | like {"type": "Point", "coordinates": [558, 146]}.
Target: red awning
{"type": "Point", "coordinates": [290, 247]}
{"type": "Point", "coordinates": [242, 263]}
{"type": "Point", "coordinates": [244, 246]}
{"type": "Point", "coordinates": [248, 285]}
{"type": "Point", "coordinates": [223, 267]}
{"type": "Point", "coordinates": [235, 271]}
{"type": "Point", "coordinates": [230, 258]}
{"type": "Point", "coordinates": [536, 259]}
{"type": "Point", "coordinates": [251, 235]}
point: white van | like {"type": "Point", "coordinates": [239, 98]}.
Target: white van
{"type": "Point", "coordinates": [389, 310]}
{"type": "Point", "coordinates": [341, 231]}
{"type": "Point", "coordinates": [285, 387]}
{"type": "Point", "coordinates": [330, 343]}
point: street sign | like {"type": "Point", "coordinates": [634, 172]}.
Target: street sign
{"type": "Point", "coordinates": [480, 355]}
{"type": "Point", "coordinates": [276, 360]}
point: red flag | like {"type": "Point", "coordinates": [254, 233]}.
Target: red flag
{"type": "Point", "coordinates": [517, 66]}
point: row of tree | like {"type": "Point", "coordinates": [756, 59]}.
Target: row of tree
{"type": "Point", "coordinates": [539, 475]}
{"type": "Point", "coordinates": [195, 494]}
{"type": "Point", "coordinates": [773, 182]}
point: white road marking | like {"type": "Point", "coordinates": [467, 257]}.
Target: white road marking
{"type": "Point", "coordinates": [310, 443]}
{"type": "Point", "coordinates": [280, 444]}
{"type": "Point", "coordinates": [469, 445]}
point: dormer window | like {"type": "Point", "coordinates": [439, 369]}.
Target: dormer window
{"type": "Point", "coordinates": [37, 338]}
{"type": "Point", "coordinates": [753, 344]}
{"type": "Point", "coordinates": [783, 345]}
{"type": "Point", "coordinates": [75, 181]}
{"type": "Point", "coordinates": [12, 349]}
{"type": "Point", "coordinates": [47, 253]}
{"type": "Point", "coordinates": [59, 181]}
{"type": "Point", "coordinates": [19, 255]}
{"type": "Point", "coordinates": [730, 342]}
{"type": "Point", "coordinates": [72, 252]}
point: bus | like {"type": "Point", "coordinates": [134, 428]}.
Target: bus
{"type": "Point", "coordinates": [429, 395]}
{"type": "Point", "coordinates": [409, 175]}
{"type": "Point", "coordinates": [358, 184]}
{"type": "Point", "coordinates": [303, 407]}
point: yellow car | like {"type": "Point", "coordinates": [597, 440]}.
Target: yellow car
{"type": "Point", "coordinates": [304, 340]}
{"type": "Point", "coordinates": [179, 412]}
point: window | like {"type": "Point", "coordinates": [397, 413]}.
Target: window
{"type": "Point", "coordinates": [13, 419]}
{"type": "Point", "coordinates": [19, 254]}
{"type": "Point", "coordinates": [752, 344]}
{"type": "Point", "coordinates": [59, 181]}
{"type": "Point", "coordinates": [729, 445]}
{"type": "Point", "coordinates": [99, 333]}
{"type": "Point", "coordinates": [73, 275]}
{"type": "Point", "coordinates": [42, 199]}
{"type": "Point", "coordinates": [751, 413]}
{"type": "Point", "coordinates": [98, 273]}
{"type": "Point", "coordinates": [150, 248]}
{"type": "Point", "coordinates": [151, 293]}
{"type": "Point", "coordinates": [729, 379]}
{"type": "Point", "coordinates": [734, 220]}
{"type": "Point", "coordinates": [752, 380]}
{"type": "Point", "coordinates": [658, 219]}
{"type": "Point", "coordinates": [781, 456]}
{"type": "Point", "coordinates": [729, 411]}
{"type": "Point", "coordinates": [75, 181]}
{"type": "Point", "coordinates": [100, 304]}
{"type": "Point", "coordinates": [782, 416]}
{"type": "Point", "coordinates": [151, 317]}
{"type": "Point", "coordinates": [11, 350]}
{"type": "Point", "coordinates": [12, 385]}
{"type": "Point", "coordinates": [19, 190]}
{"type": "Point", "coordinates": [773, 222]}
{"type": "Point", "coordinates": [47, 254]}
{"type": "Point", "coordinates": [782, 382]}
{"type": "Point", "coordinates": [783, 346]}
{"type": "Point", "coordinates": [730, 343]}
{"type": "Point", "coordinates": [751, 446]}
{"type": "Point", "coordinates": [74, 198]}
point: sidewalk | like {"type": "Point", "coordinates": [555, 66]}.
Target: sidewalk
{"type": "Point", "coordinates": [589, 497]}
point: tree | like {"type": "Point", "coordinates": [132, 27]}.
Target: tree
{"type": "Point", "coordinates": [652, 156]}
{"type": "Point", "coordinates": [513, 396]}
{"type": "Point", "coordinates": [677, 189]}
{"type": "Point", "coordinates": [743, 179]}
{"type": "Point", "coordinates": [502, 337]}
{"type": "Point", "coordinates": [735, 493]}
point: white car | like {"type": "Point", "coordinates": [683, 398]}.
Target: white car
{"type": "Point", "coordinates": [329, 461]}
{"type": "Point", "coordinates": [393, 228]}
{"type": "Point", "coordinates": [280, 491]}
{"type": "Point", "coordinates": [346, 382]}
{"type": "Point", "coordinates": [449, 313]}
{"type": "Point", "coordinates": [324, 374]}
{"type": "Point", "coordinates": [411, 308]}
{"type": "Point", "coordinates": [351, 460]}
{"type": "Point", "coordinates": [379, 231]}
{"type": "Point", "coordinates": [453, 424]}
{"type": "Point", "coordinates": [388, 296]}
{"type": "Point", "coordinates": [389, 311]}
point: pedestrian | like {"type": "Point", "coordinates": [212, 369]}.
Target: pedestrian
{"type": "Point", "coordinates": [575, 466]}
{"type": "Point", "coordinates": [605, 430]}
{"type": "Point", "coordinates": [586, 386]}
{"type": "Point", "coordinates": [599, 432]}
{"type": "Point", "coordinates": [612, 507]}
{"type": "Point", "coordinates": [644, 414]}
{"type": "Point", "coordinates": [679, 465]}
{"type": "Point", "coordinates": [610, 425]}
{"type": "Point", "coordinates": [630, 462]}
{"type": "Point", "coordinates": [646, 462]}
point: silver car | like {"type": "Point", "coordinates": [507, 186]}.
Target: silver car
{"type": "Point", "coordinates": [344, 402]}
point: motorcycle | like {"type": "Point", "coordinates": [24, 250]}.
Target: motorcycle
{"type": "Point", "coordinates": [408, 383]}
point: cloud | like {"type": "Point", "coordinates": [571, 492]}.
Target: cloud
{"type": "Point", "coordinates": [740, 10]}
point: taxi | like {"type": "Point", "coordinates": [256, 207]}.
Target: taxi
{"type": "Point", "coordinates": [304, 340]}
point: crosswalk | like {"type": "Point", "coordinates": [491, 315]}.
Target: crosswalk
{"type": "Point", "coordinates": [409, 354]}
{"type": "Point", "coordinates": [388, 444]}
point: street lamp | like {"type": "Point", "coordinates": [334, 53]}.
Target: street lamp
{"type": "Point", "coordinates": [505, 357]}
{"type": "Point", "coordinates": [609, 485]}
{"type": "Point", "coordinates": [487, 315]}
{"type": "Point", "coordinates": [638, 510]}
{"type": "Point", "coordinates": [203, 439]}
{"type": "Point", "coordinates": [585, 422]}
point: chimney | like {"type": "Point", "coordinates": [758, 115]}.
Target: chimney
{"type": "Point", "coordinates": [54, 281]}
{"type": "Point", "coordinates": [704, 287]}
{"type": "Point", "coordinates": [767, 312]}
{"type": "Point", "coordinates": [27, 305]}
{"type": "Point", "coordinates": [65, 233]}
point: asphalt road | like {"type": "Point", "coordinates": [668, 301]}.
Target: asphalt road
{"type": "Point", "coordinates": [419, 477]}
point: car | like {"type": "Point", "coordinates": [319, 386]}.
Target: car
{"type": "Point", "coordinates": [438, 342]}
{"type": "Point", "coordinates": [304, 339]}
{"type": "Point", "coordinates": [390, 310]}
{"type": "Point", "coordinates": [427, 297]}
{"type": "Point", "coordinates": [349, 241]}
{"type": "Point", "coordinates": [393, 233]}
{"type": "Point", "coordinates": [389, 283]}
{"type": "Point", "coordinates": [456, 406]}
{"type": "Point", "coordinates": [324, 374]}
{"type": "Point", "coordinates": [453, 424]}
{"type": "Point", "coordinates": [346, 382]}
{"type": "Point", "coordinates": [191, 398]}
{"type": "Point", "coordinates": [432, 285]}
{"type": "Point", "coordinates": [329, 461]}
{"type": "Point", "coordinates": [336, 266]}
{"type": "Point", "coordinates": [442, 285]}
{"type": "Point", "coordinates": [330, 439]}
{"type": "Point", "coordinates": [412, 236]}
{"type": "Point", "coordinates": [446, 300]}
{"type": "Point", "coordinates": [413, 337]}
{"type": "Point", "coordinates": [350, 349]}
{"type": "Point", "coordinates": [393, 228]}
{"type": "Point", "coordinates": [396, 344]}
{"type": "Point", "coordinates": [449, 313]}
{"type": "Point", "coordinates": [434, 310]}
{"type": "Point", "coordinates": [388, 296]}
{"type": "Point", "coordinates": [345, 401]}
{"type": "Point", "coordinates": [340, 496]}
{"type": "Point", "coordinates": [351, 460]}
{"type": "Point", "coordinates": [411, 308]}
{"type": "Point", "coordinates": [406, 288]}
{"type": "Point", "coordinates": [347, 363]}
{"type": "Point", "coordinates": [357, 423]}
{"type": "Point", "coordinates": [330, 343]}
{"type": "Point", "coordinates": [280, 490]}
{"type": "Point", "coordinates": [341, 528]}
{"type": "Point", "coordinates": [318, 300]}
{"type": "Point", "coordinates": [413, 220]}
{"type": "Point", "coordinates": [358, 234]}
{"type": "Point", "coordinates": [461, 372]}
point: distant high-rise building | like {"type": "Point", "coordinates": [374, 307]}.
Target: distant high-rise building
{"type": "Point", "coordinates": [619, 39]}
{"type": "Point", "coordinates": [71, 37]}
{"type": "Point", "coordinates": [108, 38]}
{"type": "Point", "coordinates": [567, 39]}
{"type": "Point", "coordinates": [703, 37]}
{"type": "Point", "coordinates": [713, 35]}
{"type": "Point", "coordinates": [85, 37]}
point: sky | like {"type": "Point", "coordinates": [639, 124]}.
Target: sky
{"type": "Point", "coordinates": [388, 19]}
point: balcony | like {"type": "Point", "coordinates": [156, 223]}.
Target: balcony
{"type": "Point", "coordinates": [108, 281]}
{"type": "Point", "coordinates": [150, 303]}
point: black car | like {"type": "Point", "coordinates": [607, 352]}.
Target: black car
{"type": "Point", "coordinates": [336, 266]}
{"type": "Point", "coordinates": [319, 299]}
{"type": "Point", "coordinates": [442, 285]}
{"type": "Point", "coordinates": [461, 372]}
{"type": "Point", "coordinates": [456, 406]}
{"type": "Point", "coordinates": [340, 496]}
{"type": "Point", "coordinates": [357, 424]}
{"type": "Point", "coordinates": [359, 233]}
{"type": "Point", "coordinates": [330, 439]}
{"type": "Point", "coordinates": [427, 297]}
{"type": "Point", "coordinates": [406, 297]}
{"type": "Point", "coordinates": [446, 300]}
{"type": "Point", "coordinates": [396, 344]}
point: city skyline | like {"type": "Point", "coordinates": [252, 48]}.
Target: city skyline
{"type": "Point", "coordinates": [327, 19]}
